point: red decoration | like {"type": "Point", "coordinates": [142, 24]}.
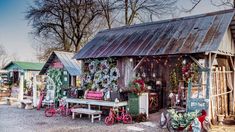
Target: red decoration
{"type": "Point", "coordinates": [187, 72]}
{"type": "Point", "coordinates": [138, 86]}
{"type": "Point", "coordinates": [94, 95]}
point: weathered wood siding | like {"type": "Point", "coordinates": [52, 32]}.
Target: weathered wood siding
{"type": "Point", "coordinates": [127, 74]}
{"type": "Point", "coordinates": [227, 43]}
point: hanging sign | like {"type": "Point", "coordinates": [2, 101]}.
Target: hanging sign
{"type": "Point", "coordinates": [57, 64]}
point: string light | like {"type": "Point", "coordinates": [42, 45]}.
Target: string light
{"type": "Point", "coordinates": [154, 75]}
{"type": "Point", "coordinates": [131, 59]}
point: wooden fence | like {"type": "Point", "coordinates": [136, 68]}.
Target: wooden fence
{"type": "Point", "coordinates": [222, 99]}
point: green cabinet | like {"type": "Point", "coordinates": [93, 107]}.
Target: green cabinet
{"type": "Point", "coordinates": [133, 104]}
{"type": "Point", "coordinates": [138, 104]}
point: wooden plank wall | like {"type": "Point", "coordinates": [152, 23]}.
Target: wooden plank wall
{"type": "Point", "coordinates": [127, 74]}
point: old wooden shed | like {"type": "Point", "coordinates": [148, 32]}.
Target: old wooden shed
{"type": "Point", "coordinates": [153, 50]}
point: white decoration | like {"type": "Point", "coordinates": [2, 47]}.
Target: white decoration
{"type": "Point", "coordinates": [114, 74]}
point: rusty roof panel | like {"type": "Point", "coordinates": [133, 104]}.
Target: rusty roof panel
{"type": "Point", "coordinates": [219, 34]}
{"type": "Point", "coordinates": [194, 34]}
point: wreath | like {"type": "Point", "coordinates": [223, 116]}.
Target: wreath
{"type": "Point", "coordinates": [98, 77]}
{"type": "Point", "coordinates": [92, 67]}
{"type": "Point", "coordinates": [137, 86]}
{"type": "Point", "coordinates": [114, 87]}
{"type": "Point", "coordinates": [106, 81]}
{"type": "Point", "coordinates": [104, 65]}
{"type": "Point", "coordinates": [114, 74]}
{"type": "Point", "coordinates": [86, 78]}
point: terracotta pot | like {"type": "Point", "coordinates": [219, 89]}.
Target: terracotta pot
{"type": "Point", "coordinates": [5, 94]}
{"type": "Point", "coordinates": [220, 119]}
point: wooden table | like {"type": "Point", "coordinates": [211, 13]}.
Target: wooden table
{"type": "Point", "coordinates": [90, 102]}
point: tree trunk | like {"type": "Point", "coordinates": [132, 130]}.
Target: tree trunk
{"type": "Point", "coordinates": [126, 12]}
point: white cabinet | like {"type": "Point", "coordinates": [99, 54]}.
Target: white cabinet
{"type": "Point", "coordinates": [144, 103]}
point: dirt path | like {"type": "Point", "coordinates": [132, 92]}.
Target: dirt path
{"type": "Point", "coordinates": [13, 119]}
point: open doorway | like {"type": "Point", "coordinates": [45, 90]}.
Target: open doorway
{"type": "Point", "coordinates": [15, 76]}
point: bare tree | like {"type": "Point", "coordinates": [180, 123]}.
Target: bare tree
{"type": "Point", "coordinates": [48, 21]}
{"type": "Point", "coordinates": [131, 11]}
{"type": "Point", "coordinates": [81, 15]}
{"type": "Point", "coordinates": [217, 3]}
{"type": "Point", "coordinates": [68, 24]}
{"type": "Point", "coordinates": [108, 11]}
{"type": "Point", "coordinates": [4, 58]}
{"type": "Point", "coordinates": [143, 10]}
{"type": "Point", "coordinates": [62, 24]}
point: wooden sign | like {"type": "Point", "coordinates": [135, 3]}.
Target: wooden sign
{"type": "Point", "coordinates": [57, 64]}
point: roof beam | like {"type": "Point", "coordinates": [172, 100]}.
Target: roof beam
{"type": "Point", "coordinates": [197, 62]}
{"type": "Point", "coordinates": [139, 64]}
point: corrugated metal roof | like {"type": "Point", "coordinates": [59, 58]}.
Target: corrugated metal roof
{"type": "Point", "coordinates": [194, 34]}
{"type": "Point", "coordinates": [71, 65]}
{"type": "Point", "coordinates": [26, 65]}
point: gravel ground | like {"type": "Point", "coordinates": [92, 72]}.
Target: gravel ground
{"type": "Point", "coordinates": [13, 119]}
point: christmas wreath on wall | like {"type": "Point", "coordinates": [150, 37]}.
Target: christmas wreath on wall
{"type": "Point", "coordinates": [103, 75]}
{"type": "Point", "coordinates": [137, 86]}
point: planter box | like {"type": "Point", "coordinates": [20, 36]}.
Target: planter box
{"type": "Point", "coordinates": [5, 94]}
{"type": "Point", "coordinates": [138, 104]}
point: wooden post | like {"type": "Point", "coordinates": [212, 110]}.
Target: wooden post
{"type": "Point", "coordinates": [231, 103]}
{"type": "Point", "coordinates": [217, 89]}
{"type": "Point", "coordinates": [214, 99]}
{"type": "Point", "coordinates": [34, 91]}
{"type": "Point", "coordinates": [222, 91]}
{"type": "Point", "coordinates": [233, 86]}
{"type": "Point", "coordinates": [225, 90]}
{"type": "Point", "coordinates": [208, 88]}
{"type": "Point", "coordinates": [21, 90]}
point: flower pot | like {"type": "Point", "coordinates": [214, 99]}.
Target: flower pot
{"type": "Point", "coordinates": [220, 119]}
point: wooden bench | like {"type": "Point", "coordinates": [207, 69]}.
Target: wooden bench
{"type": "Point", "coordinates": [26, 103]}
{"type": "Point", "coordinates": [94, 113]}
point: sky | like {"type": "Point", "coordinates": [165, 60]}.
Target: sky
{"type": "Point", "coordinates": [15, 30]}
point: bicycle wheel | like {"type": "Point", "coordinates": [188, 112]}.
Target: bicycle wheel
{"type": "Point", "coordinates": [163, 121]}
{"type": "Point", "coordinates": [109, 121]}
{"type": "Point", "coordinates": [63, 112]}
{"type": "Point", "coordinates": [169, 126]}
{"type": "Point", "coordinates": [49, 112]}
{"type": "Point", "coordinates": [127, 119]}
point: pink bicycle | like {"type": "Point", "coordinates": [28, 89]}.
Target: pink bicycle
{"type": "Point", "coordinates": [62, 110]}
{"type": "Point", "coordinates": [121, 115]}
